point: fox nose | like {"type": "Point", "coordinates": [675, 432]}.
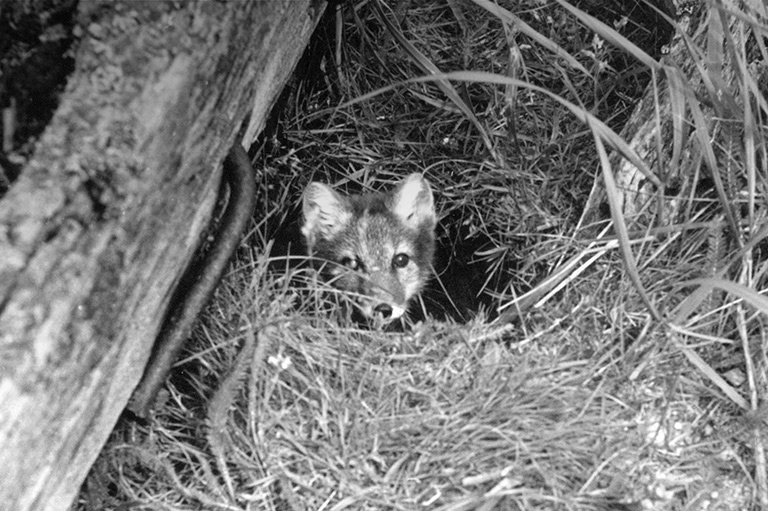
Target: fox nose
{"type": "Point", "coordinates": [384, 310]}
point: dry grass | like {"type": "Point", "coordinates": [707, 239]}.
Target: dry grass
{"type": "Point", "coordinates": [627, 369]}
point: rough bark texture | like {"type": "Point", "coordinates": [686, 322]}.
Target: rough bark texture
{"type": "Point", "coordinates": [108, 212]}
{"type": "Point", "coordinates": [650, 132]}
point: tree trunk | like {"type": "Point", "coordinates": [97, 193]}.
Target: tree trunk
{"type": "Point", "coordinates": [109, 210]}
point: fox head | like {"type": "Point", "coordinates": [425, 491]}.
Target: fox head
{"type": "Point", "coordinates": [377, 247]}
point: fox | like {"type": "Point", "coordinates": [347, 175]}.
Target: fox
{"type": "Point", "coordinates": [377, 248]}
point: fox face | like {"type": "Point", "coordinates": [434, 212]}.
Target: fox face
{"type": "Point", "coordinates": [378, 247]}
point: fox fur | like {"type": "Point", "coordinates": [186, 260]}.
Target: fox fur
{"type": "Point", "coordinates": [377, 247]}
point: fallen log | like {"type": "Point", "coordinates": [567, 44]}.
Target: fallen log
{"type": "Point", "coordinates": [107, 213]}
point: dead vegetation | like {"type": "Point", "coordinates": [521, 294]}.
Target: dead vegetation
{"type": "Point", "coordinates": [615, 387]}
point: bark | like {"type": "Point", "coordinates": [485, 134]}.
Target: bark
{"type": "Point", "coordinates": [109, 210]}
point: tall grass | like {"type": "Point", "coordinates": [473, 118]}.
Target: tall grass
{"type": "Point", "coordinates": [614, 196]}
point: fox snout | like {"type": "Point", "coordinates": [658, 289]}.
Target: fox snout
{"type": "Point", "coordinates": [386, 296]}
{"type": "Point", "coordinates": [377, 294]}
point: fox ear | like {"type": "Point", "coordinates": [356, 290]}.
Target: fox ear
{"type": "Point", "coordinates": [325, 212]}
{"type": "Point", "coordinates": [413, 202]}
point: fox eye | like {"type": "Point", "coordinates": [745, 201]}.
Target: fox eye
{"type": "Point", "coordinates": [400, 260]}
{"type": "Point", "coordinates": [350, 262]}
